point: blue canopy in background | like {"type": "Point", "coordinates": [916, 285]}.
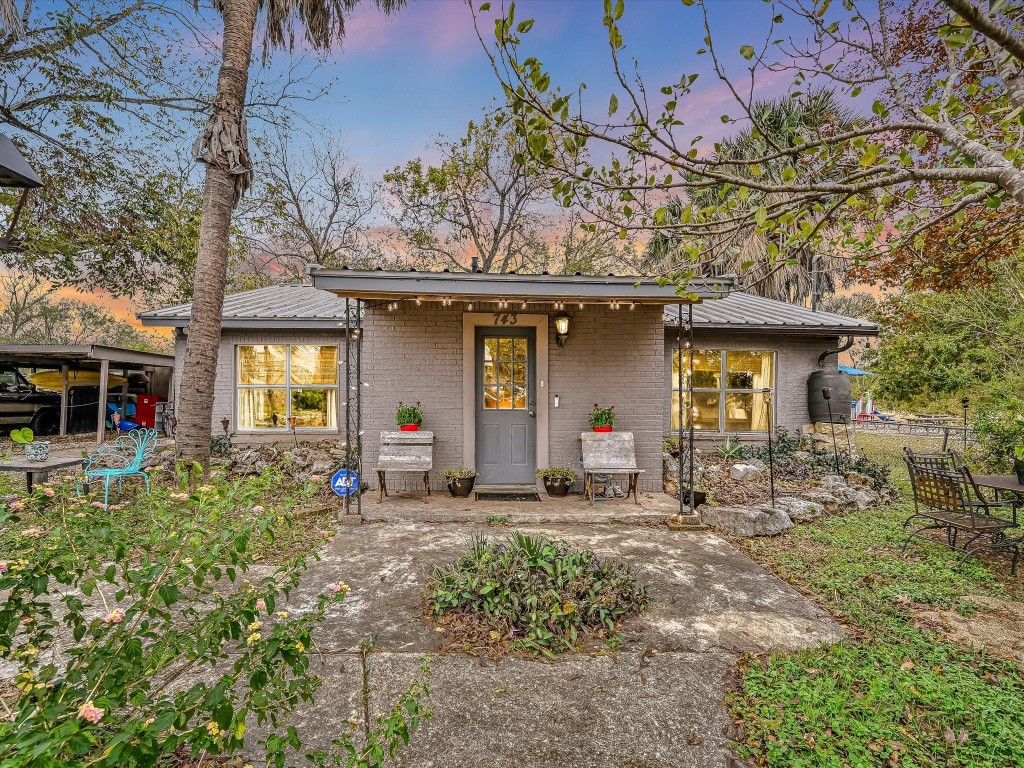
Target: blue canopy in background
{"type": "Point", "coordinates": [854, 371]}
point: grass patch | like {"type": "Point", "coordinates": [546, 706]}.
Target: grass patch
{"type": "Point", "coordinates": [533, 593]}
{"type": "Point", "coordinates": [894, 694]}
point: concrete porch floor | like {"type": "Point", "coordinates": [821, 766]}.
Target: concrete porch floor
{"type": "Point", "coordinates": [441, 507]}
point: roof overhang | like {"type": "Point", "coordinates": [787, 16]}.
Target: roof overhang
{"type": "Point", "coordinates": [14, 169]}
{"type": "Point", "coordinates": [246, 323]}
{"type": "Point", "coordinates": [379, 285]}
{"type": "Point", "coordinates": [779, 330]}
{"type": "Point", "coordinates": [80, 355]}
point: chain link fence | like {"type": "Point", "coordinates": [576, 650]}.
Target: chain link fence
{"type": "Point", "coordinates": [884, 441]}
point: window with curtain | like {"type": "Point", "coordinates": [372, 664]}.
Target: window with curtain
{"type": "Point", "coordinates": [728, 390]}
{"type": "Point", "coordinates": [277, 381]}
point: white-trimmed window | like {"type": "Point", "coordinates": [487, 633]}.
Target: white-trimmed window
{"type": "Point", "coordinates": [276, 381]}
{"type": "Point", "coordinates": [729, 389]}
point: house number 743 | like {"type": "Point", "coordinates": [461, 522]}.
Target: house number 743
{"type": "Point", "coordinates": [506, 318]}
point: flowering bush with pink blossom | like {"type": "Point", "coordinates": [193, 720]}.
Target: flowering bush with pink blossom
{"type": "Point", "coordinates": [93, 608]}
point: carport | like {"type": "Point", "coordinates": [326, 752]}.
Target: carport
{"type": "Point", "coordinates": [91, 357]}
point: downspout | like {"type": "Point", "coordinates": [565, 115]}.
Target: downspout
{"type": "Point", "coordinates": [842, 348]}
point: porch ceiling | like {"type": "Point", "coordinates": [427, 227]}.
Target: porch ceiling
{"type": "Point", "coordinates": [379, 285]}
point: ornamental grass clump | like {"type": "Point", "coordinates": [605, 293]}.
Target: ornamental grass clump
{"type": "Point", "coordinates": [534, 594]}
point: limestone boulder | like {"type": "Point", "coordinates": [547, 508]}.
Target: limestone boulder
{"type": "Point", "coordinates": [747, 521]}
{"type": "Point", "coordinates": [830, 504]}
{"type": "Point", "coordinates": [745, 472]}
{"type": "Point", "coordinates": [799, 510]}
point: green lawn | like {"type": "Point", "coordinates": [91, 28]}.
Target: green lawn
{"type": "Point", "coordinates": [894, 694]}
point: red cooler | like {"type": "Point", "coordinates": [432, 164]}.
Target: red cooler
{"type": "Point", "coordinates": [145, 410]}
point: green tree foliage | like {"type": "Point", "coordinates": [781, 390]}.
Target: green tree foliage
{"type": "Point", "coordinates": [93, 92]}
{"type": "Point", "coordinates": [939, 84]}
{"type": "Point", "coordinates": [936, 347]}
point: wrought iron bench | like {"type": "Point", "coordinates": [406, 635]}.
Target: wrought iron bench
{"type": "Point", "coordinates": [609, 453]}
{"type": "Point", "coordinates": [405, 452]}
{"type": "Point", "coordinates": [122, 458]}
{"type": "Point", "coordinates": [947, 500]}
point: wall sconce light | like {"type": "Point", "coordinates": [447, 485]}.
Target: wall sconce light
{"type": "Point", "coordinates": [561, 328]}
{"type": "Point", "coordinates": [225, 423]}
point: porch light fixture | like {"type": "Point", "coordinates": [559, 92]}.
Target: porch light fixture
{"type": "Point", "coordinates": [15, 172]}
{"type": "Point", "coordinates": [561, 328]}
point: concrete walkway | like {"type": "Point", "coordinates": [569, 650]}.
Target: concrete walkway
{"type": "Point", "coordinates": [658, 703]}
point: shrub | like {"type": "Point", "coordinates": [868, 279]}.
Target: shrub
{"type": "Point", "coordinates": [535, 594]}
{"type": "Point", "coordinates": [602, 417]}
{"type": "Point", "coordinates": [1000, 429]}
{"type": "Point", "coordinates": [408, 414]}
{"type": "Point", "coordinates": [133, 642]}
{"type": "Point", "coordinates": [459, 472]}
{"type": "Point", "coordinates": [565, 473]}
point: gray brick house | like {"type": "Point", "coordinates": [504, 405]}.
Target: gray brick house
{"type": "Point", "coordinates": [500, 388]}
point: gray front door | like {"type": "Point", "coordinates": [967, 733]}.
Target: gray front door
{"type": "Point", "coordinates": [506, 413]}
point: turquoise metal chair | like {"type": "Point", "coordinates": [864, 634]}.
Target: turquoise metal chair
{"type": "Point", "coordinates": [120, 459]}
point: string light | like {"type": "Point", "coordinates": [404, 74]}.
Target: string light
{"type": "Point", "coordinates": [418, 302]}
{"type": "Point", "coordinates": [581, 305]}
{"type": "Point", "coordinates": [615, 303]}
{"type": "Point", "coordinates": [470, 306]}
{"type": "Point", "coordinates": [632, 305]}
{"type": "Point", "coordinates": [523, 305]}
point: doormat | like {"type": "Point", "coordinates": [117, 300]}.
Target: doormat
{"type": "Point", "coordinates": [507, 497]}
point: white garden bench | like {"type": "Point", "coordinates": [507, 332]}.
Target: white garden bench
{"type": "Point", "coordinates": [405, 452]}
{"type": "Point", "coordinates": [609, 453]}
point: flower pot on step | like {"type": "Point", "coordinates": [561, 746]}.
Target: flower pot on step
{"type": "Point", "coordinates": [461, 487]}
{"type": "Point", "coordinates": [558, 487]}
{"type": "Point", "coordinates": [602, 429]}
{"type": "Point", "coordinates": [409, 427]}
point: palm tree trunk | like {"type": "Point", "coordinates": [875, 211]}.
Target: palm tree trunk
{"type": "Point", "coordinates": [223, 148]}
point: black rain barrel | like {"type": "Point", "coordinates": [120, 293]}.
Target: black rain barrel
{"type": "Point", "coordinates": [817, 406]}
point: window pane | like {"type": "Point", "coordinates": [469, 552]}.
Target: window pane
{"type": "Point", "coordinates": [519, 398]}
{"type": "Point", "coordinates": [707, 369]}
{"type": "Point", "coordinates": [519, 349]}
{"type": "Point", "coordinates": [747, 412]}
{"type": "Point", "coordinates": [490, 397]}
{"type": "Point", "coordinates": [705, 412]}
{"type": "Point", "coordinates": [505, 398]}
{"type": "Point", "coordinates": [314, 364]}
{"type": "Point", "coordinates": [261, 364]}
{"type": "Point", "coordinates": [505, 349]}
{"type": "Point", "coordinates": [262, 409]}
{"type": "Point", "coordinates": [490, 349]}
{"type": "Point", "coordinates": [505, 373]}
{"type": "Point", "coordinates": [490, 374]}
{"type": "Point", "coordinates": [315, 408]}
{"type": "Point", "coordinates": [519, 373]}
{"type": "Point", "coordinates": [748, 370]}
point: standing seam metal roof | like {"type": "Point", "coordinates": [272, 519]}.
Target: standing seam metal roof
{"type": "Point", "coordinates": [302, 305]}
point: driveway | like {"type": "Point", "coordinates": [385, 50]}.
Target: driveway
{"type": "Point", "coordinates": [657, 703]}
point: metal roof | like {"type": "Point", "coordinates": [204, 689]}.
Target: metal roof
{"type": "Point", "coordinates": [747, 312]}
{"type": "Point", "coordinates": [303, 307]}
{"type": "Point", "coordinates": [14, 169]}
{"type": "Point", "coordinates": [81, 355]}
{"type": "Point", "coordinates": [382, 285]}
{"type": "Point", "coordinates": [278, 306]}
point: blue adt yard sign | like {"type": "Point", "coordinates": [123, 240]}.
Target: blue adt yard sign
{"type": "Point", "coordinates": [345, 482]}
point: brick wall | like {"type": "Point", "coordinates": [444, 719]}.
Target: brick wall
{"type": "Point", "coordinates": [795, 358]}
{"type": "Point", "coordinates": [224, 389]}
{"type": "Point", "coordinates": [611, 357]}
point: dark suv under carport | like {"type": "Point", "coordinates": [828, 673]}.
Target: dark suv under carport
{"type": "Point", "coordinates": [22, 405]}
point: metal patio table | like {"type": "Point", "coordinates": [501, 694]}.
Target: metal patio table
{"type": "Point", "coordinates": [1004, 485]}
{"type": "Point", "coordinates": [40, 470]}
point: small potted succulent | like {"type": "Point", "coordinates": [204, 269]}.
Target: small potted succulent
{"type": "Point", "coordinates": [460, 481]}
{"type": "Point", "coordinates": [602, 419]}
{"type": "Point", "coordinates": [35, 450]}
{"type": "Point", "coordinates": [557, 480]}
{"type": "Point", "coordinates": [1018, 463]}
{"type": "Point", "coordinates": [409, 417]}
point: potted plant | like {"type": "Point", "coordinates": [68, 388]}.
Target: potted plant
{"type": "Point", "coordinates": [602, 419]}
{"type": "Point", "coordinates": [557, 480]}
{"type": "Point", "coordinates": [409, 417]}
{"type": "Point", "coordinates": [1018, 463]}
{"type": "Point", "coordinates": [35, 450]}
{"type": "Point", "coordinates": [460, 481]}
